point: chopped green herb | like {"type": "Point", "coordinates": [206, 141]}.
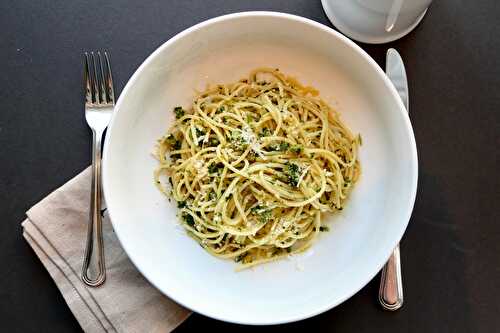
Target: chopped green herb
{"type": "Point", "coordinates": [251, 156]}
{"type": "Point", "coordinates": [324, 229]}
{"type": "Point", "coordinates": [240, 257]}
{"type": "Point", "coordinates": [271, 147]}
{"type": "Point", "coordinates": [181, 204]}
{"type": "Point", "coordinates": [213, 142]}
{"type": "Point", "coordinates": [236, 136]}
{"type": "Point", "coordinates": [220, 109]}
{"type": "Point", "coordinates": [283, 146]}
{"type": "Point", "coordinates": [212, 195]}
{"type": "Point", "coordinates": [199, 132]}
{"type": "Point", "coordinates": [255, 209]}
{"type": "Point", "coordinates": [238, 140]}
{"type": "Point", "coordinates": [188, 219]}
{"type": "Point", "coordinates": [173, 142]}
{"type": "Point", "coordinates": [288, 249]}
{"type": "Point", "coordinates": [214, 167]}
{"type": "Point", "coordinates": [249, 118]}
{"type": "Point", "coordinates": [179, 112]}
{"type": "Point", "coordinates": [292, 172]}
{"type": "Point", "coordinates": [265, 132]}
{"type": "Point", "coordinates": [296, 149]}
{"type": "Point", "coordinates": [170, 140]}
{"type": "Point", "coordinates": [264, 214]}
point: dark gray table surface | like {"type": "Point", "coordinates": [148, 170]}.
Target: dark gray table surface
{"type": "Point", "coordinates": [451, 249]}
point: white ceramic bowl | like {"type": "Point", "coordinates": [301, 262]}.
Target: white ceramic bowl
{"type": "Point", "coordinates": [361, 239]}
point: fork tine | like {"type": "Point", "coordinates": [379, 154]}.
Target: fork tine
{"type": "Point", "coordinates": [97, 92]}
{"type": "Point", "coordinates": [87, 79]}
{"type": "Point", "coordinates": [101, 80]}
{"type": "Point", "coordinates": [109, 80]}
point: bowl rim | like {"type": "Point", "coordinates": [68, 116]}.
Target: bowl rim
{"type": "Point", "coordinates": [313, 311]}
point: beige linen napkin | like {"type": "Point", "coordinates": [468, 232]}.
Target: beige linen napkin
{"type": "Point", "coordinates": [56, 229]}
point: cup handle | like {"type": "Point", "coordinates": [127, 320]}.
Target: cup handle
{"type": "Point", "coordinates": [392, 17]}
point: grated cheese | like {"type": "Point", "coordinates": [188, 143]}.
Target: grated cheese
{"type": "Point", "coordinates": [303, 175]}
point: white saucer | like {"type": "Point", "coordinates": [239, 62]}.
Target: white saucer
{"type": "Point", "coordinates": [366, 38]}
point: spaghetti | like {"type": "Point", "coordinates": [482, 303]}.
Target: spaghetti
{"type": "Point", "coordinates": [254, 164]}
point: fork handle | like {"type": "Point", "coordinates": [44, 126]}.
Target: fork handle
{"type": "Point", "coordinates": [391, 285]}
{"type": "Point", "coordinates": [94, 233]}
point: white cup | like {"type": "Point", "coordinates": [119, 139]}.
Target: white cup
{"type": "Point", "coordinates": [375, 21]}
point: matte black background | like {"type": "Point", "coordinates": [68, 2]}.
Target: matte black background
{"type": "Point", "coordinates": [451, 249]}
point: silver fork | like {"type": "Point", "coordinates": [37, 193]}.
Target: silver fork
{"type": "Point", "coordinates": [99, 104]}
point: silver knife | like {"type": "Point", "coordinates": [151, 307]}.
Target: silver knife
{"type": "Point", "coordinates": [391, 284]}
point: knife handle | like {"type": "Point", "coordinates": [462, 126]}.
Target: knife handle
{"type": "Point", "coordinates": [391, 285]}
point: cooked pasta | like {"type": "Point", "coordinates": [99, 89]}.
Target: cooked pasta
{"type": "Point", "coordinates": [254, 164]}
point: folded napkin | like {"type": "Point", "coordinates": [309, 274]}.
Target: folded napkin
{"type": "Point", "coordinates": [56, 229]}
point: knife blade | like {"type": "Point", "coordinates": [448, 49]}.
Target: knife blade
{"type": "Point", "coordinates": [391, 282]}
{"type": "Point", "coordinates": [395, 70]}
